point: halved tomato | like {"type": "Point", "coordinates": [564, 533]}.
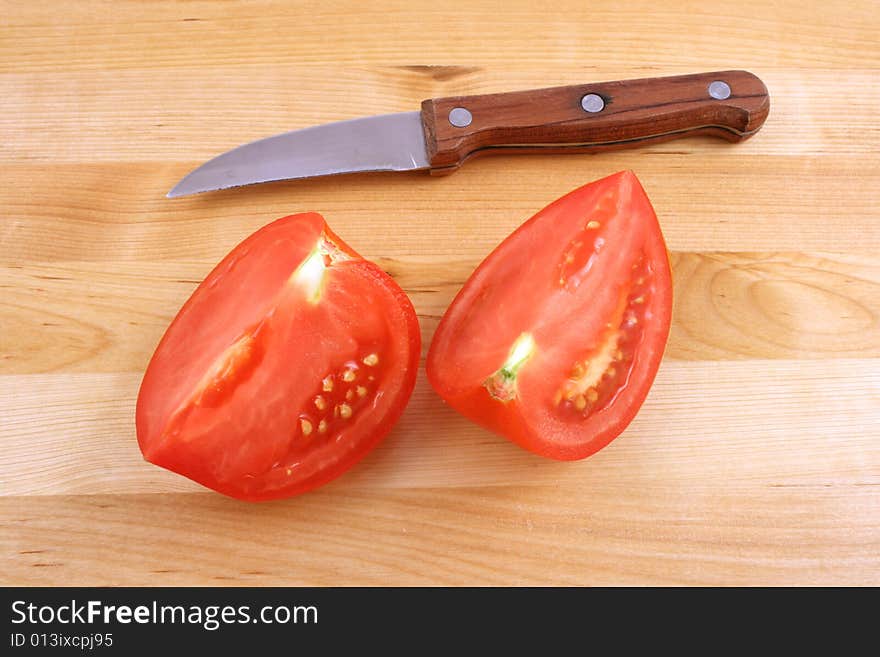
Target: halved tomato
{"type": "Point", "coordinates": [555, 339]}
{"type": "Point", "coordinates": [289, 363]}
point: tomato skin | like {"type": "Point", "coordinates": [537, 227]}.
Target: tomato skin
{"type": "Point", "coordinates": [292, 314]}
{"type": "Point", "coordinates": [555, 339]}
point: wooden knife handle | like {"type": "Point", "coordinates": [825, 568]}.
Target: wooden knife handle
{"type": "Point", "coordinates": [728, 104]}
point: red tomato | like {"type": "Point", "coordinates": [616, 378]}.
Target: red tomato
{"type": "Point", "coordinates": [290, 362]}
{"type": "Point", "coordinates": [555, 339]}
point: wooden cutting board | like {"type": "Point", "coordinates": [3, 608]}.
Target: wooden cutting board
{"type": "Point", "coordinates": [756, 458]}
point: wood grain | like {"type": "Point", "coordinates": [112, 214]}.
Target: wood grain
{"type": "Point", "coordinates": [105, 116]}
{"type": "Point", "coordinates": [73, 434]}
{"type": "Point", "coordinates": [82, 316]}
{"type": "Point", "coordinates": [755, 459]}
{"type": "Point", "coordinates": [727, 202]}
{"type": "Point", "coordinates": [97, 34]}
{"type": "Point", "coordinates": [710, 533]}
{"type": "Point", "coordinates": [634, 113]}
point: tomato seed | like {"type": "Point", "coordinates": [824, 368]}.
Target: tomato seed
{"type": "Point", "coordinates": [371, 360]}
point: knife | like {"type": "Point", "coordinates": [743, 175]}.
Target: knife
{"type": "Point", "coordinates": [588, 117]}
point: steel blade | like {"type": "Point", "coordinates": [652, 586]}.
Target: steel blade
{"type": "Point", "coordinates": [389, 142]}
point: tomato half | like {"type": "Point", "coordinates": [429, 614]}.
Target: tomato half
{"type": "Point", "coordinates": [555, 339]}
{"type": "Point", "coordinates": [290, 362]}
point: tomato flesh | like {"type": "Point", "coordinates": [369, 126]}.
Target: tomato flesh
{"type": "Point", "coordinates": [555, 339]}
{"type": "Point", "coordinates": [288, 364]}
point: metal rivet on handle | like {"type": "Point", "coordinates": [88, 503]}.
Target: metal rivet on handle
{"type": "Point", "coordinates": [460, 117]}
{"type": "Point", "coordinates": [719, 90]}
{"type": "Point", "coordinates": [592, 103]}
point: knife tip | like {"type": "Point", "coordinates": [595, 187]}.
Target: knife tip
{"type": "Point", "coordinates": [187, 189]}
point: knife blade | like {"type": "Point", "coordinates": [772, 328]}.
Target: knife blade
{"type": "Point", "coordinates": [732, 105]}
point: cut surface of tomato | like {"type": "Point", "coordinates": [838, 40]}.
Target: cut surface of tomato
{"type": "Point", "coordinates": [555, 339]}
{"type": "Point", "coordinates": [287, 365]}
